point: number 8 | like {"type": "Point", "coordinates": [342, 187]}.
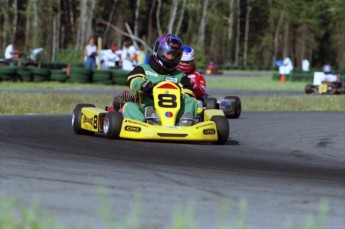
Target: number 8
{"type": "Point", "coordinates": [167, 100]}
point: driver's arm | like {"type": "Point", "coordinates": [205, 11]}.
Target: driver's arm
{"type": "Point", "coordinates": [136, 78]}
{"type": "Point", "coordinates": [187, 87]}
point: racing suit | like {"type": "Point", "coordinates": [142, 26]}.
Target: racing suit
{"type": "Point", "coordinates": [154, 73]}
{"type": "Point", "coordinates": [199, 84]}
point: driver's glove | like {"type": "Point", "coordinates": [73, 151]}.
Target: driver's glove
{"type": "Point", "coordinates": [147, 87]}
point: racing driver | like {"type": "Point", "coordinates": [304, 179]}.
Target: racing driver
{"type": "Point", "coordinates": [187, 65]}
{"type": "Point", "coordinates": [162, 65]}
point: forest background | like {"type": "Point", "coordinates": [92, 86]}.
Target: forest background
{"type": "Point", "coordinates": [233, 32]}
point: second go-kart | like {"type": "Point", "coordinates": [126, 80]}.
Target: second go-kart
{"type": "Point", "coordinates": [325, 84]}
{"type": "Point", "coordinates": [210, 126]}
{"type": "Point", "coordinates": [230, 105]}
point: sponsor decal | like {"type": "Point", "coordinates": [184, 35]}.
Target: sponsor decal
{"type": "Point", "coordinates": [133, 128]}
{"type": "Point", "coordinates": [149, 73]}
{"type": "Point", "coordinates": [209, 131]}
{"type": "Point", "coordinates": [137, 123]}
{"type": "Point", "coordinates": [172, 127]}
{"type": "Point", "coordinates": [92, 121]}
{"type": "Point", "coordinates": [171, 79]}
{"type": "Point", "coordinates": [209, 124]}
{"type": "Point", "coordinates": [87, 120]}
{"type": "Point", "coordinates": [169, 114]}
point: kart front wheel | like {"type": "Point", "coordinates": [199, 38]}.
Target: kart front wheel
{"type": "Point", "coordinates": [76, 119]}
{"type": "Point", "coordinates": [238, 106]}
{"type": "Point", "coordinates": [223, 129]}
{"type": "Point", "coordinates": [112, 124]}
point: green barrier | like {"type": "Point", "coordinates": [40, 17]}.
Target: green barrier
{"type": "Point", "coordinates": [119, 76]}
{"type": "Point", "coordinates": [58, 75]}
{"type": "Point", "coordinates": [25, 75]}
{"type": "Point", "coordinates": [40, 74]}
{"type": "Point", "coordinates": [8, 73]}
{"type": "Point", "coordinates": [80, 75]}
{"type": "Point", "coordinates": [99, 76]}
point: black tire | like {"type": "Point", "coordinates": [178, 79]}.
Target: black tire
{"type": "Point", "coordinates": [76, 119]}
{"type": "Point", "coordinates": [308, 89]}
{"type": "Point", "coordinates": [223, 129]}
{"type": "Point", "coordinates": [211, 103]}
{"type": "Point", "coordinates": [238, 107]}
{"type": "Point", "coordinates": [112, 125]}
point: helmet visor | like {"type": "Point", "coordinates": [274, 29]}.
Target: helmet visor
{"type": "Point", "coordinates": [170, 56]}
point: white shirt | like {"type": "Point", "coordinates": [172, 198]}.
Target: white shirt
{"type": "Point", "coordinates": [9, 52]}
{"type": "Point", "coordinates": [305, 65]}
{"type": "Point", "coordinates": [127, 63]}
{"type": "Point", "coordinates": [109, 57]}
{"type": "Point", "coordinates": [90, 49]}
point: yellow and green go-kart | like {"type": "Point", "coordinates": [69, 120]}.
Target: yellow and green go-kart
{"type": "Point", "coordinates": [211, 125]}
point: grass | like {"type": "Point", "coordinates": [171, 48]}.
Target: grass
{"type": "Point", "coordinates": [222, 82]}
{"type": "Point", "coordinates": [14, 101]}
{"type": "Point", "coordinates": [253, 83]}
{"type": "Point", "coordinates": [54, 103]}
{"type": "Point", "coordinates": [14, 215]}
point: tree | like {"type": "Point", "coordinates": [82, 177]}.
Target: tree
{"type": "Point", "coordinates": [202, 26]}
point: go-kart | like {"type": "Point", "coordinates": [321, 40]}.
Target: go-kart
{"type": "Point", "coordinates": [210, 125]}
{"type": "Point", "coordinates": [230, 105]}
{"type": "Point", "coordinates": [212, 69]}
{"type": "Point", "coordinates": [325, 88]}
{"type": "Point", "coordinates": [325, 84]}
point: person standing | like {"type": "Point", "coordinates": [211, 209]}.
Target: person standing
{"type": "Point", "coordinates": [90, 54]}
{"type": "Point", "coordinates": [305, 65]}
{"type": "Point", "coordinates": [127, 55]}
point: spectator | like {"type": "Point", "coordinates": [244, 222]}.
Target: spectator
{"type": "Point", "coordinates": [287, 67]}
{"type": "Point", "coordinates": [305, 65]}
{"type": "Point", "coordinates": [90, 54]}
{"type": "Point", "coordinates": [127, 55]}
{"type": "Point", "coordinates": [140, 55]}
{"type": "Point", "coordinates": [110, 58]}
{"type": "Point", "coordinates": [12, 54]}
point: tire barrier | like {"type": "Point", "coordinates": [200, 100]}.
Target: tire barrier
{"type": "Point", "coordinates": [119, 76]}
{"type": "Point", "coordinates": [58, 75]}
{"type": "Point", "coordinates": [40, 74]}
{"type": "Point", "coordinates": [8, 73]}
{"type": "Point", "coordinates": [24, 74]}
{"type": "Point", "coordinates": [80, 75]}
{"type": "Point", "coordinates": [102, 77]}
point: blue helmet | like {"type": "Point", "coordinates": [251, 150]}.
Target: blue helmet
{"type": "Point", "coordinates": [168, 44]}
{"type": "Point", "coordinates": [187, 64]}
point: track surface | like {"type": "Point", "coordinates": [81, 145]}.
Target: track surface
{"type": "Point", "coordinates": [281, 165]}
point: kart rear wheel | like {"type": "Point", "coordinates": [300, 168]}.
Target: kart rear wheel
{"type": "Point", "coordinates": [76, 119]}
{"type": "Point", "coordinates": [211, 103]}
{"type": "Point", "coordinates": [112, 124]}
{"type": "Point", "coordinates": [223, 129]}
{"type": "Point", "coordinates": [238, 106]}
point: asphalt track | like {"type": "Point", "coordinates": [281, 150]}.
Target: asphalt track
{"type": "Point", "coordinates": [280, 165]}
